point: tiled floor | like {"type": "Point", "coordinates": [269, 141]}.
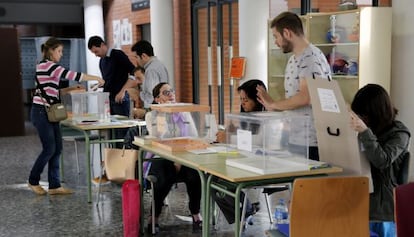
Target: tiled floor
{"type": "Point", "coordinates": [26, 214]}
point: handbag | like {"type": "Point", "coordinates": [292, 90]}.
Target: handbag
{"type": "Point", "coordinates": [120, 164]}
{"type": "Point", "coordinates": [55, 112]}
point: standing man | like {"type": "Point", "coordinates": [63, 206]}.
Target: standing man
{"type": "Point", "coordinates": [115, 68]}
{"type": "Point", "coordinates": [155, 71]}
{"type": "Point", "coordinates": [307, 61]}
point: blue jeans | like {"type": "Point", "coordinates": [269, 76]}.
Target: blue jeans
{"type": "Point", "coordinates": [383, 229]}
{"type": "Point", "coordinates": [51, 139]}
{"type": "Point", "coordinates": [120, 109]}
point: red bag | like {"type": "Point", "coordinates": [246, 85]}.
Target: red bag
{"type": "Point", "coordinates": [131, 207]}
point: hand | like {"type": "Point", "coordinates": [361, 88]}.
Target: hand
{"type": "Point", "coordinates": [139, 113]}
{"type": "Point", "coordinates": [221, 136]}
{"type": "Point", "coordinates": [133, 95]}
{"type": "Point", "coordinates": [95, 87]}
{"type": "Point", "coordinates": [264, 98]}
{"type": "Point", "coordinates": [120, 96]}
{"type": "Point", "coordinates": [356, 123]}
{"type": "Point", "coordinates": [101, 81]}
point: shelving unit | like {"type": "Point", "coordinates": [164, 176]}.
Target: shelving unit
{"type": "Point", "coordinates": [357, 44]}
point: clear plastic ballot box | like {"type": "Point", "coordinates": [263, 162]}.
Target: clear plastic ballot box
{"type": "Point", "coordinates": [178, 126]}
{"type": "Point", "coordinates": [177, 120]}
{"type": "Point", "coordinates": [270, 141]}
{"type": "Point", "coordinates": [88, 107]}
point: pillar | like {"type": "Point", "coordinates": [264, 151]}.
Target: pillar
{"type": "Point", "coordinates": [162, 33]}
{"type": "Point", "coordinates": [253, 37]}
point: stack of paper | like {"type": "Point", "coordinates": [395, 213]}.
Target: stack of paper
{"type": "Point", "coordinates": [273, 165]}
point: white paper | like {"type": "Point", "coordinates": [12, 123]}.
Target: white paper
{"type": "Point", "coordinates": [267, 165]}
{"type": "Point", "coordinates": [244, 140]}
{"type": "Point", "coordinates": [364, 2]}
{"type": "Point", "coordinates": [328, 100]}
{"type": "Point", "coordinates": [202, 151]}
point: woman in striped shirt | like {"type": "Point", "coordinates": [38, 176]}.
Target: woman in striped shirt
{"type": "Point", "coordinates": [48, 75]}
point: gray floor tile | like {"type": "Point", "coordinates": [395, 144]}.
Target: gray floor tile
{"type": "Point", "coordinates": [26, 214]}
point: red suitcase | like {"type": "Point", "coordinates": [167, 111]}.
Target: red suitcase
{"type": "Point", "coordinates": [131, 208]}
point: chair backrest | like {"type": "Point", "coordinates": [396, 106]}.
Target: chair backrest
{"type": "Point", "coordinates": [404, 210]}
{"type": "Point", "coordinates": [330, 206]}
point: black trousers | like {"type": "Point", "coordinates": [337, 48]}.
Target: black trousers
{"type": "Point", "coordinates": [167, 176]}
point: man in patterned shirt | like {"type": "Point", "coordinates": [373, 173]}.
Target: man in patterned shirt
{"type": "Point", "coordinates": [307, 61]}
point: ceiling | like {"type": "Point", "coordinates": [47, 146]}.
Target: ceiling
{"type": "Point", "coordinates": [41, 11]}
{"type": "Point", "coordinates": [44, 1]}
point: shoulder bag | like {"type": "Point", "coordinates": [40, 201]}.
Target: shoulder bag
{"type": "Point", "coordinates": [120, 164]}
{"type": "Point", "coordinates": [55, 112]}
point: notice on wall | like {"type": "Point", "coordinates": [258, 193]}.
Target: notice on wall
{"type": "Point", "coordinates": [126, 32]}
{"type": "Point", "coordinates": [122, 33]}
{"type": "Point", "coordinates": [116, 34]}
{"type": "Point", "coordinates": [237, 67]}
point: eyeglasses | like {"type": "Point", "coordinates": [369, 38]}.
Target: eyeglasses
{"type": "Point", "coordinates": [168, 92]}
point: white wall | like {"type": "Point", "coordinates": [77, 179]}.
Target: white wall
{"type": "Point", "coordinates": [253, 37]}
{"type": "Point", "coordinates": [402, 69]}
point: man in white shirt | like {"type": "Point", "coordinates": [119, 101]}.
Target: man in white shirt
{"type": "Point", "coordinates": [307, 61]}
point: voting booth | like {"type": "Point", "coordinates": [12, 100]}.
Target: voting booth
{"type": "Point", "coordinates": [337, 142]}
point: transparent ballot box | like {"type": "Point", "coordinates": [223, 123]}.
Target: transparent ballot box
{"type": "Point", "coordinates": [88, 107]}
{"type": "Point", "coordinates": [181, 126]}
{"type": "Point", "coordinates": [269, 141]}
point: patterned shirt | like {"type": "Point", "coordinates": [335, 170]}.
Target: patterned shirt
{"type": "Point", "coordinates": [48, 75]}
{"type": "Point", "coordinates": [311, 63]}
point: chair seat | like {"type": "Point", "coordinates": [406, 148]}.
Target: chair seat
{"type": "Point", "coordinates": [69, 134]}
{"type": "Point", "coordinates": [272, 190]}
{"type": "Point", "coordinates": [78, 138]}
{"type": "Point", "coordinates": [282, 230]}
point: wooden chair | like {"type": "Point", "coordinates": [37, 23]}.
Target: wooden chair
{"type": "Point", "coordinates": [329, 206]}
{"type": "Point", "coordinates": [404, 210]}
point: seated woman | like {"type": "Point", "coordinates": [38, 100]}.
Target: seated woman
{"type": "Point", "coordinates": [248, 103]}
{"type": "Point", "coordinates": [384, 142]}
{"type": "Point", "coordinates": [169, 173]}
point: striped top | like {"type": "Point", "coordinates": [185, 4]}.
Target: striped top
{"type": "Point", "coordinates": [48, 75]}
